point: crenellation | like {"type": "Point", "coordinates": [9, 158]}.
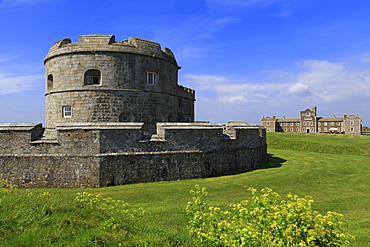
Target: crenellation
{"type": "Point", "coordinates": [115, 112]}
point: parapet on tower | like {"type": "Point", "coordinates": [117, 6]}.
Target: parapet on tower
{"type": "Point", "coordinates": [100, 80]}
{"type": "Point", "coordinates": [112, 117]}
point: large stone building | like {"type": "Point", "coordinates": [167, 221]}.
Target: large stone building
{"type": "Point", "coordinates": [115, 114]}
{"type": "Point", "coordinates": [309, 122]}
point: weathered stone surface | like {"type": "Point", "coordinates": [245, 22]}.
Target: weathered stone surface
{"type": "Point", "coordinates": [122, 86]}
{"type": "Point", "coordinates": [118, 129]}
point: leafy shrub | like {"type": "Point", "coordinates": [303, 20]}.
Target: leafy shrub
{"type": "Point", "coordinates": [266, 221]}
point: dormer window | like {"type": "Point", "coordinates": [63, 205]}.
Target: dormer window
{"type": "Point", "coordinates": [92, 77]}
{"type": "Point", "coordinates": [151, 78]}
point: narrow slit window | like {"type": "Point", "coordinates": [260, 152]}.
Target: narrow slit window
{"type": "Point", "coordinates": [50, 82]}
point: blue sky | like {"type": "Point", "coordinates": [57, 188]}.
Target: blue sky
{"type": "Point", "coordinates": [244, 58]}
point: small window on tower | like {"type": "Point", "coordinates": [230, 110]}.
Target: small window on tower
{"type": "Point", "coordinates": [125, 117]}
{"type": "Point", "coordinates": [92, 77]}
{"type": "Point", "coordinates": [151, 78]}
{"type": "Point", "coordinates": [50, 81]}
{"type": "Point", "coordinates": [67, 111]}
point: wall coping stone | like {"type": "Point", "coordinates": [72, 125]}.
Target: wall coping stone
{"type": "Point", "coordinates": [100, 126]}
{"type": "Point", "coordinates": [19, 126]}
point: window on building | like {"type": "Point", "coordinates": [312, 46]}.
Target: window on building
{"type": "Point", "coordinates": [352, 123]}
{"type": "Point", "coordinates": [326, 124]}
{"type": "Point", "coordinates": [50, 82]}
{"type": "Point", "coordinates": [125, 117]}
{"type": "Point", "coordinates": [311, 123]}
{"type": "Point", "coordinates": [319, 129]}
{"type": "Point", "coordinates": [297, 124]}
{"type": "Point", "coordinates": [268, 123]}
{"type": "Point", "coordinates": [338, 123]}
{"type": "Point", "coordinates": [268, 129]}
{"type": "Point", "coordinates": [291, 124]}
{"type": "Point", "coordinates": [352, 129]}
{"type": "Point", "coordinates": [92, 77]}
{"type": "Point", "coordinates": [151, 78]}
{"type": "Point", "coordinates": [304, 123]}
{"type": "Point", "coordinates": [319, 124]}
{"type": "Point", "coordinates": [67, 111]}
{"type": "Point", "coordinates": [312, 130]}
{"type": "Point", "coordinates": [291, 129]}
{"type": "Point", "coordinates": [332, 123]}
{"type": "Point", "coordinates": [286, 124]}
{"type": "Point", "coordinates": [284, 129]}
{"type": "Point", "coordinates": [297, 129]}
{"type": "Point", "coordinates": [308, 114]}
{"type": "Point", "coordinates": [325, 129]}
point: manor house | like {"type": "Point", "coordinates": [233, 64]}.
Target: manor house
{"type": "Point", "coordinates": [115, 114]}
{"type": "Point", "coordinates": [309, 122]}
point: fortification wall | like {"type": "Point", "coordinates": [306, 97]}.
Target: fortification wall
{"type": "Point", "coordinates": [94, 154]}
{"type": "Point", "coordinates": [50, 170]}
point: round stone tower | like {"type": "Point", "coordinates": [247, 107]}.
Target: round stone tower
{"type": "Point", "coordinates": [100, 80]}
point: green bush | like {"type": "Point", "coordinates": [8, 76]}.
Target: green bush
{"type": "Point", "coordinates": [266, 221]}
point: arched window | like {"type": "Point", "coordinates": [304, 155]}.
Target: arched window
{"type": "Point", "coordinates": [126, 117]}
{"type": "Point", "coordinates": [92, 77]}
{"type": "Point", "coordinates": [49, 82]}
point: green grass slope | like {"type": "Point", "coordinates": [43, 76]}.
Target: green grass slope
{"type": "Point", "coordinates": [333, 169]}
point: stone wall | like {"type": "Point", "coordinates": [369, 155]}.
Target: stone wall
{"type": "Point", "coordinates": [121, 86]}
{"type": "Point", "coordinates": [94, 154]}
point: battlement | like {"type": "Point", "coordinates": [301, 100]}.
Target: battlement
{"type": "Point", "coordinates": [186, 90]}
{"type": "Point", "coordinates": [106, 43]}
{"type": "Point", "coordinates": [115, 112]}
{"type": "Point", "coordinates": [127, 137]}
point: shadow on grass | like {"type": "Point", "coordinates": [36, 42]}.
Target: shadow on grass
{"type": "Point", "coordinates": [271, 162]}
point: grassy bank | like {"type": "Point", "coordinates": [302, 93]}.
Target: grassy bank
{"type": "Point", "coordinates": [333, 169]}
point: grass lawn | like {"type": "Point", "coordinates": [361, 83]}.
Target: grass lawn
{"type": "Point", "coordinates": [333, 169]}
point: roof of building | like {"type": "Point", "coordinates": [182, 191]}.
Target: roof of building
{"type": "Point", "coordinates": [288, 120]}
{"type": "Point", "coordinates": [330, 119]}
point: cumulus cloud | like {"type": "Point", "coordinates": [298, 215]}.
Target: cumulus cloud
{"type": "Point", "coordinates": [299, 89]}
{"type": "Point", "coordinates": [322, 83]}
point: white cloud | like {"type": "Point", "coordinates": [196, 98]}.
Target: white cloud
{"type": "Point", "coordinates": [334, 87]}
{"type": "Point", "coordinates": [15, 84]}
{"type": "Point", "coordinates": [195, 32]}
{"type": "Point", "coordinates": [299, 89]}
{"type": "Point", "coordinates": [4, 59]}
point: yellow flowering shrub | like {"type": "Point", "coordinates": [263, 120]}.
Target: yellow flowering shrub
{"type": "Point", "coordinates": [265, 221]}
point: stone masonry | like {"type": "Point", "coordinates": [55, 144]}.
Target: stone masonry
{"type": "Point", "coordinates": [115, 114]}
{"type": "Point", "coordinates": [309, 122]}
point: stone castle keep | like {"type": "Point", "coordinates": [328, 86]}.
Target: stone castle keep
{"type": "Point", "coordinates": [115, 114]}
